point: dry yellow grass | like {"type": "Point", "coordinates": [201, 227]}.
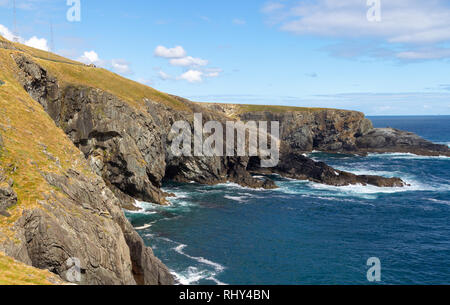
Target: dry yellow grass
{"type": "Point", "coordinates": [277, 109]}
{"type": "Point", "coordinates": [26, 129]}
{"type": "Point", "coordinates": [75, 73]}
{"type": "Point", "coordinates": [13, 272]}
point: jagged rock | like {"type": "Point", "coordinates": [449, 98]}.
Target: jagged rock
{"type": "Point", "coordinates": [130, 147]}
{"type": "Point", "coordinates": [8, 197]}
{"type": "Point", "coordinates": [99, 201]}
{"type": "Point", "coordinates": [300, 167]}
{"type": "Point", "coordinates": [86, 224]}
{"type": "Point", "coordinates": [332, 130]}
{"type": "Point", "coordinates": [394, 140]}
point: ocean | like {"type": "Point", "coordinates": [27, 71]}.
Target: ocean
{"type": "Point", "coordinates": [307, 233]}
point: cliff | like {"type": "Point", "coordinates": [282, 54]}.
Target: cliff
{"type": "Point", "coordinates": [78, 143]}
{"type": "Point", "coordinates": [332, 130]}
{"type": "Point", "coordinates": [53, 206]}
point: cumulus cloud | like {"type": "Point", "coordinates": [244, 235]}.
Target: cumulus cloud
{"type": "Point", "coordinates": [196, 69]}
{"type": "Point", "coordinates": [404, 23]}
{"type": "Point", "coordinates": [90, 57]}
{"type": "Point", "coordinates": [188, 61]}
{"type": "Point", "coordinates": [34, 42]}
{"type": "Point", "coordinates": [6, 33]}
{"type": "Point", "coordinates": [176, 52]}
{"type": "Point", "coordinates": [121, 66]}
{"type": "Point", "coordinates": [192, 76]}
{"type": "Point", "coordinates": [117, 65]}
{"type": "Point", "coordinates": [38, 43]}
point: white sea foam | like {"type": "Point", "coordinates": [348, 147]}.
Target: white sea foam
{"type": "Point", "coordinates": [143, 208]}
{"type": "Point", "coordinates": [202, 260]}
{"type": "Point", "coordinates": [194, 274]}
{"type": "Point", "coordinates": [406, 156]}
{"type": "Point", "coordinates": [236, 198]}
{"type": "Point", "coordinates": [235, 185]}
{"type": "Point", "coordinates": [146, 226]}
{"type": "Point", "coordinates": [446, 202]}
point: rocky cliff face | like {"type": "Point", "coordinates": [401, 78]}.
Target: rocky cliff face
{"type": "Point", "coordinates": [332, 130]}
{"type": "Point", "coordinates": [53, 208]}
{"type": "Point", "coordinates": [130, 147]}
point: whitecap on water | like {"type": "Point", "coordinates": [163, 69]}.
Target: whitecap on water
{"type": "Point", "coordinates": [446, 202]}
{"type": "Point", "coordinates": [236, 198]}
{"type": "Point", "coordinates": [146, 226]}
{"type": "Point", "coordinates": [204, 269]}
{"type": "Point", "coordinates": [405, 156]}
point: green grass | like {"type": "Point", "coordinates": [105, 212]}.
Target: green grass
{"type": "Point", "coordinates": [13, 272]}
{"type": "Point", "coordinates": [276, 109]}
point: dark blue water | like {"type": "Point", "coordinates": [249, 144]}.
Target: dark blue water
{"type": "Point", "coordinates": [307, 233]}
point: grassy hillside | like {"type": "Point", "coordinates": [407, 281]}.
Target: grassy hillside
{"type": "Point", "coordinates": [13, 272]}
{"type": "Point", "coordinates": [71, 72]}
{"type": "Point", "coordinates": [277, 109]}
{"type": "Point", "coordinates": [32, 143]}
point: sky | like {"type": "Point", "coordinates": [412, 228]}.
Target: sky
{"type": "Point", "coordinates": [381, 57]}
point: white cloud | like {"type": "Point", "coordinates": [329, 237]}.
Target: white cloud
{"type": "Point", "coordinates": [176, 52]}
{"type": "Point", "coordinates": [270, 7]}
{"type": "Point", "coordinates": [188, 61]}
{"type": "Point", "coordinates": [213, 72]}
{"type": "Point", "coordinates": [144, 81]}
{"type": "Point", "coordinates": [404, 23]}
{"type": "Point", "coordinates": [34, 42]}
{"type": "Point", "coordinates": [163, 75]}
{"type": "Point", "coordinates": [117, 65]}
{"type": "Point", "coordinates": [121, 66]}
{"type": "Point", "coordinates": [192, 76]}
{"type": "Point", "coordinates": [424, 54]}
{"type": "Point", "coordinates": [6, 33]}
{"type": "Point", "coordinates": [38, 43]}
{"type": "Point", "coordinates": [90, 57]}
{"type": "Point", "coordinates": [178, 57]}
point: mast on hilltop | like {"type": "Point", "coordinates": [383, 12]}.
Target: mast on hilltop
{"type": "Point", "coordinates": [15, 34]}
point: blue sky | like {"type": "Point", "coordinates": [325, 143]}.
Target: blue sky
{"type": "Point", "coordinates": [322, 53]}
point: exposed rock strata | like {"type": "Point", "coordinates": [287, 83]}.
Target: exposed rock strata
{"type": "Point", "coordinates": [340, 131]}
{"type": "Point", "coordinates": [8, 197]}
{"type": "Point", "coordinates": [87, 224]}
{"type": "Point", "coordinates": [130, 148]}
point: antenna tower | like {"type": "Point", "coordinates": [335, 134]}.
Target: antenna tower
{"type": "Point", "coordinates": [16, 35]}
{"type": "Point", "coordinates": [52, 42]}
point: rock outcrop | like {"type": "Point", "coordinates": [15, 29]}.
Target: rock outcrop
{"type": "Point", "coordinates": [55, 211]}
{"type": "Point", "coordinates": [336, 131]}
{"type": "Point", "coordinates": [384, 140]}
{"type": "Point", "coordinates": [130, 147]}
{"type": "Point", "coordinates": [299, 167]}
{"type": "Point", "coordinates": [88, 225]}
{"type": "Point", "coordinates": [8, 197]}
{"type": "Point", "coordinates": [127, 149]}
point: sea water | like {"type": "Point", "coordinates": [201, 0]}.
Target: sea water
{"type": "Point", "coordinates": [308, 233]}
